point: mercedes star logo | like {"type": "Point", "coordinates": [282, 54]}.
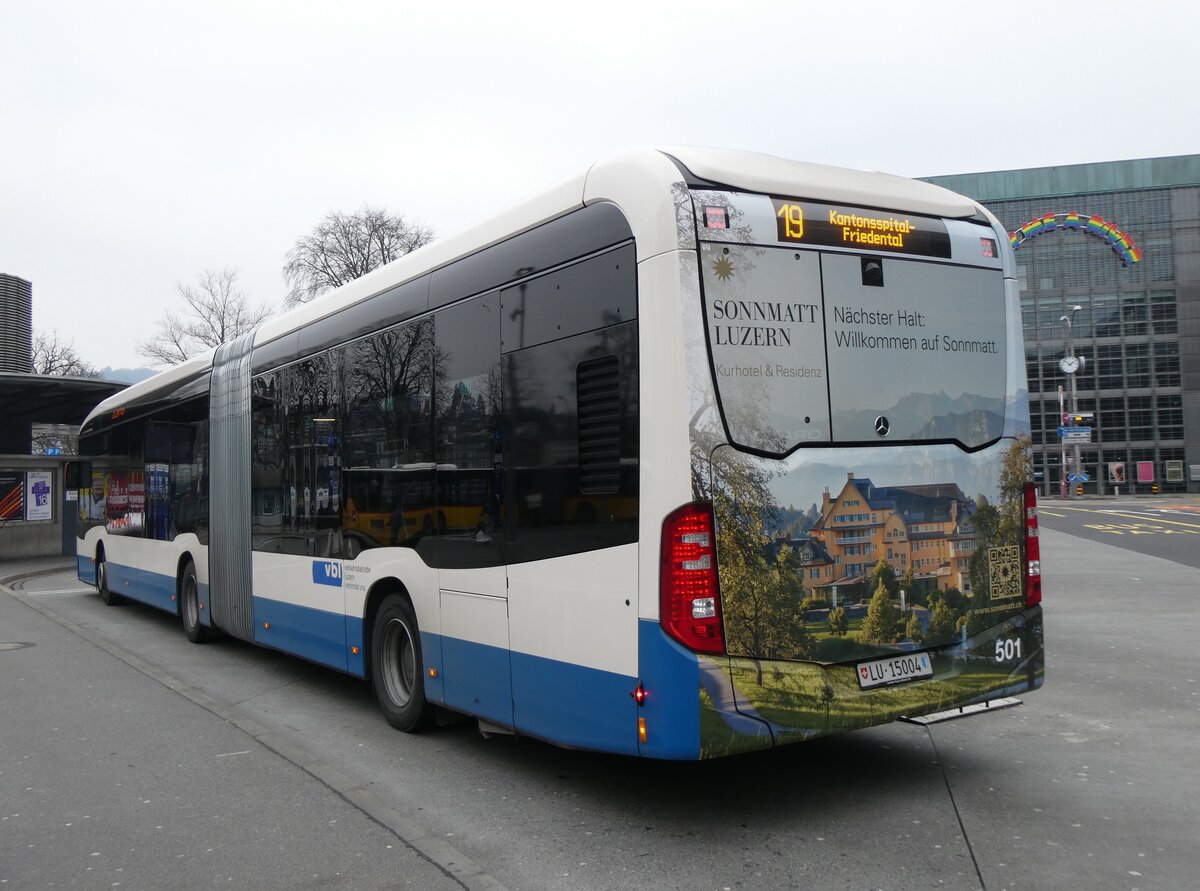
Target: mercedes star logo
{"type": "Point", "coordinates": [882, 426]}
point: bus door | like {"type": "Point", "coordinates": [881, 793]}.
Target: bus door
{"type": "Point", "coordinates": [467, 542]}
{"type": "Point", "coordinates": [476, 674]}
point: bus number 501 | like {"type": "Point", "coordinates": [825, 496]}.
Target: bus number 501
{"type": "Point", "coordinates": [1008, 649]}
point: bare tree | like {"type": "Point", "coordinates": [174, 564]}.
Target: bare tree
{"type": "Point", "coordinates": [343, 247]}
{"type": "Point", "coordinates": [53, 356]}
{"type": "Point", "coordinates": [217, 310]}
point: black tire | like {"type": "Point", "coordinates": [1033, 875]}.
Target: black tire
{"type": "Point", "coordinates": [397, 671]}
{"type": "Point", "coordinates": [106, 595]}
{"type": "Point", "coordinates": [189, 606]}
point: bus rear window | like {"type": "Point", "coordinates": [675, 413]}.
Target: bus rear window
{"type": "Point", "coordinates": [820, 347]}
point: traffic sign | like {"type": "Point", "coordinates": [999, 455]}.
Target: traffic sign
{"type": "Point", "coordinates": [1075, 434]}
{"type": "Point", "coordinates": [1078, 478]}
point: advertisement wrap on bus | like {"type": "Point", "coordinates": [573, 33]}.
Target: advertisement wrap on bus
{"type": "Point", "coordinates": [860, 432]}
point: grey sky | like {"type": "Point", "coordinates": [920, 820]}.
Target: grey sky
{"type": "Point", "coordinates": [146, 142]}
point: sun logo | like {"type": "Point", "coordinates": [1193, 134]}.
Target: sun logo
{"type": "Point", "coordinates": [723, 269]}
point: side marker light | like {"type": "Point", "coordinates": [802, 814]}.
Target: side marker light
{"type": "Point", "coordinates": [641, 730]}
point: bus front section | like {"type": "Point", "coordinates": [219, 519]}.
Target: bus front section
{"type": "Point", "coordinates": [862, 544]}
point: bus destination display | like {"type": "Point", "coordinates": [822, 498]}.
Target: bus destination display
{"type": "Point", "coordinates": [832, 225]}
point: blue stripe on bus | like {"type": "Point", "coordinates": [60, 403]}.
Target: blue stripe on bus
{"type": "Point", "coordinates": [151, 588]}
{"type": "Point", "coordinates": [476, 679]}
{"type": "Point", "coordinates": [671, 677]}
{"type": "Point", "coordinates": [313, 634]}
{"type": "Point", "coordinates": [574, 705]}
{"type": "Point", "coordinates": [86, 569]}
{"type": "Point", "coordinates": [354, 638]}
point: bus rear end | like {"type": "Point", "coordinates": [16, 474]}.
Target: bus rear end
{"type": "Point", "coordinates": [862, 544]}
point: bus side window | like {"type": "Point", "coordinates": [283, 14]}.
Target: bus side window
{"type": "Point", "coordinates": [311, 393]}
{"type": "Point", "coordinates": [388, 427]}
{"type": "Point", "coordinates": [572, 471]}
{"type": "Point", "coordinates": [467, 520]}
{"type": "Point", "coordinates": [267, 494]}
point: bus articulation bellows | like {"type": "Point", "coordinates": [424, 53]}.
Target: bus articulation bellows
{"type": "Point", "coordinates": [677, 458]}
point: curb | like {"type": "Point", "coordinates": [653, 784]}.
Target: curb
{"type": "Point", "coordinates": [8, 580]}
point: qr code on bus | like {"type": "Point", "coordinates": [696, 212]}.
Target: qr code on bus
{"type": "Point", "coordinates": [1004, 571]}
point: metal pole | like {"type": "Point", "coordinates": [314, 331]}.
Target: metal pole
{"type": "Point", "coordinates": [1098, 442]}
{"type": "Point", "coordinates": [1074, 395]}
{"type": "Point", "coordinates": [1075, 411]}
{"type": "Point", "coordinates": [1062, 447]}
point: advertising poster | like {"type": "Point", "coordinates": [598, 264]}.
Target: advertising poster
{"type": "Point", "coordinates": [1174, 471]}
{"type": "Point", "coordinates": [118, 494]}
{"type": "Point", "coordinates": [96, 498]}
{"type": "Point", "coordinates": [137, 492]}
{"type": "Point", "coordinates": [12, 487]}
{"type": "Point", "coordinates": [38, 487]}
{"type": "Point", "coordinates": [1145, 471]}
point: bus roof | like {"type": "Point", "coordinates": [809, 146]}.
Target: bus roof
{"type": "Point", "coordinates": [639, 182]}
{"type": "Point", "coordinates": [754, 172]}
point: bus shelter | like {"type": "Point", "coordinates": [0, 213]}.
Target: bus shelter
{"type": "Point", "coordinates": [37, 517]}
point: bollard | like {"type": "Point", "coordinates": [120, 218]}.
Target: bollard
{"type": "Point", "coordinates": [1079, 490]}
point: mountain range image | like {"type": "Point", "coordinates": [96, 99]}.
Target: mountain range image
{"type": "Point", "coordinates": [970, 418]}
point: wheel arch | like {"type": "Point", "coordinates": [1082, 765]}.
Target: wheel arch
{"type": "Point", "coordinates": [184, 559]}
{"type": "Point", "coordinates": [378, 592]}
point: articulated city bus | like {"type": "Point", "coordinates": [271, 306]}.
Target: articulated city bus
{"type": "Point", "coordinates": [695, 453]}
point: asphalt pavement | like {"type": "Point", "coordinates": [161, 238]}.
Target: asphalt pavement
{"type": "Point", "coordinates": [111, 779]}
{"type": "Point", "coordinates": [1166, 526]}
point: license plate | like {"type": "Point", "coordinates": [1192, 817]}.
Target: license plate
{"type": "Point", "coordinates": [894, 670]}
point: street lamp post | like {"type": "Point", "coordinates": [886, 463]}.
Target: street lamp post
{"type": "Point", "coordinates": [1070, 364]}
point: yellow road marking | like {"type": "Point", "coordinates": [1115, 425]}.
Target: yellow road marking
{"type": "Point", "coordinates": [1136, 529]}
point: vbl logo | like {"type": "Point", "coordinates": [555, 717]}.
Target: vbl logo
{"type": "Point", "coordinates": [327, 572]}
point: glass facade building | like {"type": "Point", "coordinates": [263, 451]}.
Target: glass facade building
{"type": "Point", "coordinates": [1115, 249]}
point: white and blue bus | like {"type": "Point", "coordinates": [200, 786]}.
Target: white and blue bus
{"type": "Point", "coordinates": [697, 452]}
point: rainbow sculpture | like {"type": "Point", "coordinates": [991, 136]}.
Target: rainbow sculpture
{"type": "Point", "coordinates": [1119, 241]}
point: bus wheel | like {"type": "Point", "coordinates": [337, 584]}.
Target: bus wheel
{"type": "Point", "coordinates": [107, 596]}
{"type": "Point", "coordinates": [189, 606]}
{"type": "Point", "coordinates": [397, 672]}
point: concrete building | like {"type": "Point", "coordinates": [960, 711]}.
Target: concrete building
{"type": "Point", "coordinates": [1108, 256]}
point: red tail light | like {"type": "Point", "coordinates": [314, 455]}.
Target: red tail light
{"type": "Point", "coordinates": [690, 599]}
{"type": "Point", "coordinates": [1033, 549]}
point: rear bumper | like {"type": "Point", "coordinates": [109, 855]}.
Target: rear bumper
{"type": "Point", "coordinates": [763, 703]}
